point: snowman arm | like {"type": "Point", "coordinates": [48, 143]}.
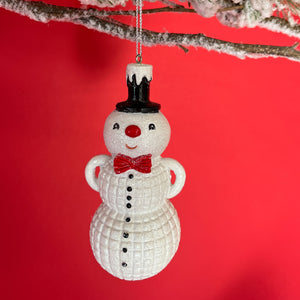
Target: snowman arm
{"type": "Point", "coordinates": [177, 168]}
{"type": "Point", "coordinates": [90, 176]}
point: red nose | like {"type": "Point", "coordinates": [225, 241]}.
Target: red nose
{"type": "Point", "coordinates": [133, 131]}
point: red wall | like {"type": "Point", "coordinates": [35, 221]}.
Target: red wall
{"type": "Point", "coordinates": [235, 128]}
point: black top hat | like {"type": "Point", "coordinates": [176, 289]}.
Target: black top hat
{"type": "Point", "coordinates": [138, 98]}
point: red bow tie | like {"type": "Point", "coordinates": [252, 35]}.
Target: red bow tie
{"type": "Point", "coordinates": [123, 163]}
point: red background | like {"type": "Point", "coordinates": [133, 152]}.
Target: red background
{"type": "Point", "coordinates": [235, 128]}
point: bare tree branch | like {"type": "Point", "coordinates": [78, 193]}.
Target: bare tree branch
{"type": "Point", "coordinates": [99, 20]}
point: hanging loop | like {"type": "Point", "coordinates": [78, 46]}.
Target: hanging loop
{"type": "Point", "coordinates": [138, 58]}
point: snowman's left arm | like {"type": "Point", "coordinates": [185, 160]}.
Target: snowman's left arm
{"type": "Point", "coordinates": [177, 168]}
{"type": "Point", "coordinates": [90, 176]}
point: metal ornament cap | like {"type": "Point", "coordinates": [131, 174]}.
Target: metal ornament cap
{"type": "Point", "coordinates": [138, 82]}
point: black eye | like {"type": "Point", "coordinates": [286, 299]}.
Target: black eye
{"type": "Point", "coordinates": [151, 126]}
{"type": "Point", "coordinates": [116, 126]}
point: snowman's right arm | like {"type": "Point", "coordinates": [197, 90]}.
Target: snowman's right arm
{"type": "Point", "coordinates": [90, 176]}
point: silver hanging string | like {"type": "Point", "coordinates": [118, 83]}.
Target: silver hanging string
{"type": "Point", "coordinates": [138, 30]}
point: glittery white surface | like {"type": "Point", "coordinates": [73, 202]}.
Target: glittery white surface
{"type": "Point", "coordinates": [150, 141]}
{"type": "Point", "coordinates": [140, 71]}
{"type": "Point", "coordinates": [148, 190]}
{"type": "Point", "coordinates": [152, 241]}
{"type": "Point", "coordinates": [154, 228]}
{"type": "Point", "coordinates": [104, 3]}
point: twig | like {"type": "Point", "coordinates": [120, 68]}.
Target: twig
{"type": "Point", "coordinates": [171, 3]}
{"type": "Point", "coordinates": [180, 9]}
{"type": "Point", "coordinates": [176, 9]}
{"type": "Point", "coordinates": [42, 12]}
{"type": "Point", "coordinates": [186, 50]}
{"type": "Point", "coordinates": [277, 24]}
{"type": "Point", "coordinates": [236, 7]}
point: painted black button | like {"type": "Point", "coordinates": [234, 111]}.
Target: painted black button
{"type": "Point", "coordinates": [129, 188]}
{"type": "Point", "coordinates": [128, 205]}
{"type": "Point", "coordinates": [127, 220]}
{"type": "Point", "coordinates": [125, 235]}
{"type": "Point", "coordinates": [130, 176]}
{"type": "Point", "coordinates": [124, 264]}
{"type": "Point", "coordinates": [128, 198]}
{"type": "Point", "coordinates": [124, 250]}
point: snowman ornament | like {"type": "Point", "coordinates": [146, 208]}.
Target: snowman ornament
{"type": "Point", "coordinates": [135, 232]}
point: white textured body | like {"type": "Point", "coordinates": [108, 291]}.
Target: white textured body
{"type": "Point", "coordinates": [135, 232]}
{"type": "Point", "coordinates": [153, 230]}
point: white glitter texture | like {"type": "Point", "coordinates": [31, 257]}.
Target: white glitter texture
{"type": "Point", "coordinates": [137, 242]}
{"type": "Point", "coordinates": [104, 3]}
{"type": "Point", "coordinates": [140, 71]}
{"type": "Point", "coordinates": [206, 8]}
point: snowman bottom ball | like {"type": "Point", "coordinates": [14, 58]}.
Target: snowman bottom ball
{"type": "Point", "coordinates": [138, 248]}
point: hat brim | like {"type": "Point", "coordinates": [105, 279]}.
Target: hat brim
{"type": "Point", "coordinates": [136, 107]}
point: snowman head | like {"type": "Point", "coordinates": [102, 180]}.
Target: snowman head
{"type": "Point", "coordinates": [136, 134]}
